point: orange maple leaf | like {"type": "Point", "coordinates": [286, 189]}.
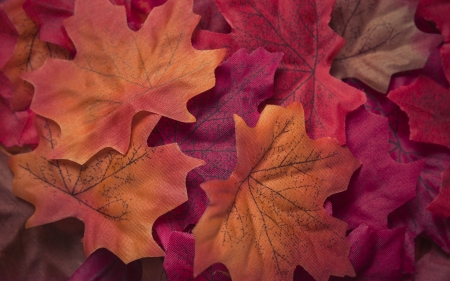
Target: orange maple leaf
{"type": "Point", "coordinates": [118, 197]}
{"type": "Point", "coordinates": [268, 217]}
{"type": "Point", "coordinates": [118, 72]}
{"type": "Point", "coordinates": [29, 54]}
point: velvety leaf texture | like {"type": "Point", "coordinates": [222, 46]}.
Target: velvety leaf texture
{"type": "Point", "coordinates": [268, 216]}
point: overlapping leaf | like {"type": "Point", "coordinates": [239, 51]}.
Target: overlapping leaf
{"type": "Point", "coordinates": [29, 54]}
{"type": "Point", "coordinates": [413, 215]}
{"type": "Point", "coordinates": [179, 261]}
{"type": "Point", "coordinates": [118, 197]}
{"type": "Point", "coordinates": [39, 253]}
{"type": "Point", "coordinates": [428, 108]}
{"type": "Point", "coordinates": [381, 185]}
{"type": "Point", "coordinates": [381, 39]}
{"type": "Point", "coordinates": [268, 216]}
{"type": "Point", "coordinates": [300, 30]}
{"type": "Point", "coordinates": [243, 82]}
{"type": "Point", "coordinates": [118, 72]}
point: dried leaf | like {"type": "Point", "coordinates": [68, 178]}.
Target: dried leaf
{"type": "Point", "coordinates": [243, 82]}
{"type": "Point", "coordinates": [300, 30]}
{"type": "Point", "coordinates": [428, 108]}
{"type": "Point", "coordinates": [118, 72]}
{"type": "Point", "coordinates": [381, 185]}
{"type": "Point", "coordinates": [381, 39]}
{"type": "Point", "coordinates": [29, 54]}
{"type": "Point", "coordinates": [118, 197]}
{"type": "Point", "coordinates": [268, 217]}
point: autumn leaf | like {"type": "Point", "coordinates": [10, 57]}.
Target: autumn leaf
{"type": "Point", "coordinates": [34, 253]}
{"type": "Point", "coordinates": [381, 39]}
{"type": "Point", "coordinates": [381, 185]}
{"type": "Point", "coordinates": [118, 72]}
{"type": "Point", "coordinates": [413, 215]}
{"type": "Point", "coordinates": [243, 82]}
{"type": "Point", "coordinates": [268, 216]}
{"type": "Point", "coordinates": [300, 30]}
{"type": "Point", "coordinates": [29, 54]}
{"type": "Point", "coordinates": [118, 197]}
{"type": "Point", "coordinates": [8, 38]}
{"type": "Point", "coordinates": [426, 104]}
{"type": "Point", "coordinates": [16, 128]}
{"type": "Point", "coordinates": [102, 265]}
{"type": "Point", "coordinates": [375, 255]}
{"type": "Point", "coordinates": [179, 261]}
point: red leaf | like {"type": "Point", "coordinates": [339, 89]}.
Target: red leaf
{"type": "Point", "coordinates": [102, 265]}
{"type": "Point", "coordinates": [428, 108]}
{"type": "Point", "coordinates": [413, 215]}
{"type": "Point", "coordinates": [300, 30]}
{"type": "Point", "coordinates": [381, 185]}
{"type": "Point", "coordinates": [242, 83]}
{"type": "Point", "coordinates": [49, 16]}
{"type": "Point", "coordinates": [8, 38]}
{"type": "Point", "coordinates": [441, 205]}
{"type": "Point", "coordinates": [434, 265]}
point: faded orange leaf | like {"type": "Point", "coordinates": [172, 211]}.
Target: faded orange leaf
{"type": "Point", "coordinates": [381, 39]}
{"type": "Point", "coordinates": [268, 217]}
{"type": "Point", "coordinates": [29, 54]}
{"type": "Point", "coordinates": [118, 197]}
{"type": "Point", "coordinates": [118, 72]}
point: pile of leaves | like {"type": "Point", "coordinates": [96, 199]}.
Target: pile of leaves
{"type": "Point", "coordinates": [225, 140]}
